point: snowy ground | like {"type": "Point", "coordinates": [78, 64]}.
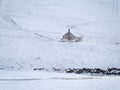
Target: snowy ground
{"type": "Point", "coordinates": [30, 32]}
{"type": "Point", "coordinates": [27, 80]}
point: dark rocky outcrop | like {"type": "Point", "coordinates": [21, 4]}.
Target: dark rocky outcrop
{"type": "Point", "coordinates": [108, 71]}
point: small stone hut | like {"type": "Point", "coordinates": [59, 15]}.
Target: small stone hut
{"type": "Point", "coordinates": [70, 37]}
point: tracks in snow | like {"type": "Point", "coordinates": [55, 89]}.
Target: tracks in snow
{"type": "Point", "coordinates": [54, 78]}
{"type": "Point", "coordinates": [10, 20]}
{"type": "Point", "coordinates": [62, 78]}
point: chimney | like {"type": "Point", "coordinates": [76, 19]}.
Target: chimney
{"type": "Point", "coordinates": [69, 30]}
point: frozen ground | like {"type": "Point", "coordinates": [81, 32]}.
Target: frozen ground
{"type": "Point", "coordinates": [25, 80]}
{"type": "Point", "coordinates": [30, 31]}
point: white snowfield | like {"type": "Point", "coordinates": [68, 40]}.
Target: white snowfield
{"type": "Point", "coordinates": [30, 33]}
{"type": "Point", "coordinates": [29, 80]}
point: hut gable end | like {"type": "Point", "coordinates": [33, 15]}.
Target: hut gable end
{"type": "Point", "coordinates": [70, 37]}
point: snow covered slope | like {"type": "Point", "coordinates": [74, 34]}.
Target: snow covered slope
{"type": "Point", "coordinates": [30, 31]}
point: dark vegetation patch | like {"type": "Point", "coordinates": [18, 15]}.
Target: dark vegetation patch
{"type": "Point", "coordinates": [108, 71]}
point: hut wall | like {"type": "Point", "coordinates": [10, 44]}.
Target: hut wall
{"type": "Point", "coordinates": [69, 36]}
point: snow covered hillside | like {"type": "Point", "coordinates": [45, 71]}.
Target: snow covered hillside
{"type": "Point", "coordinates": [30, 33]}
